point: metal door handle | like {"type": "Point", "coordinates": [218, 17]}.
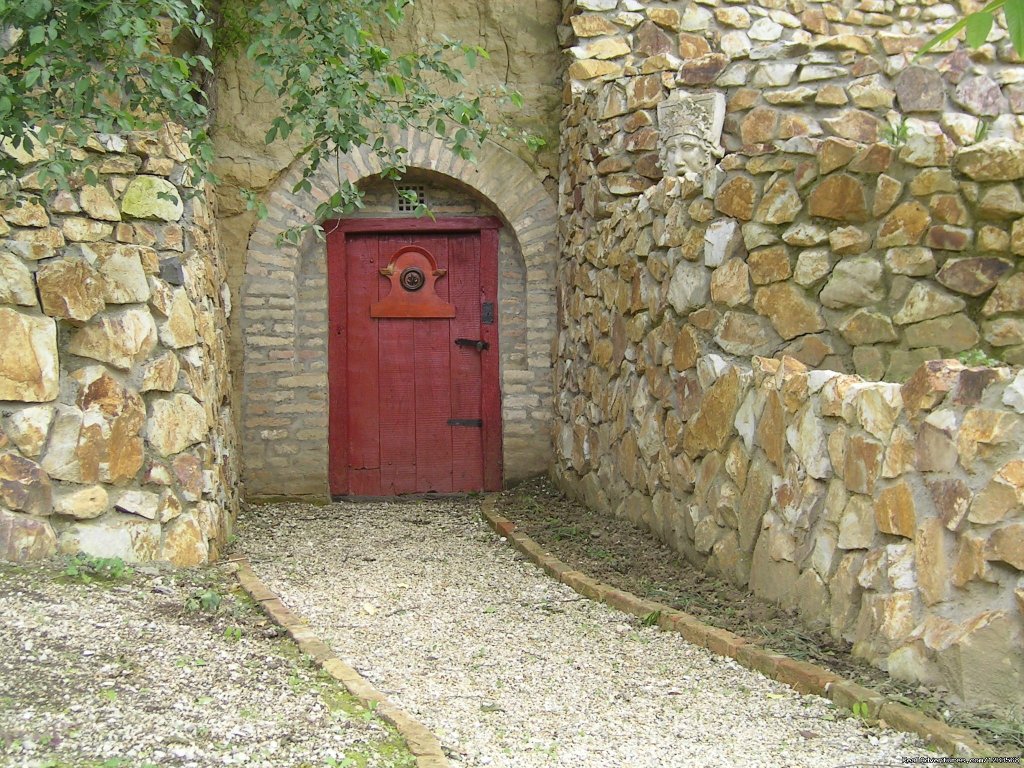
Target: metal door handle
{"type": "Point", "coordinates": [478, 344]}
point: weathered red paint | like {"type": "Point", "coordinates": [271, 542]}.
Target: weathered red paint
{"type": "Point", "coordinates": [396, 381]}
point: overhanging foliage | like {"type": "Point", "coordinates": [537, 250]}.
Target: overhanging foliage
{"type": "Point", "coordinates": [977, 26]}
{"type": "Point", "coordinates": [71, 68]}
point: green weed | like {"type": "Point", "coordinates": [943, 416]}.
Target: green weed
{"type": "Point", "coordinates": [651, 619]}
{"type": "Point", "coordinates": [896, 134]}
{"type": "Point", "coordinates": [981, 132]}
{"type": "Point", "coordinates": [204, 600]}
{"type": "Point", "coordinates": [860, 710]}
{"type": "Point", "coordinates": [978, 357]}
{"type": "Point", "coordinates": [87, 568]}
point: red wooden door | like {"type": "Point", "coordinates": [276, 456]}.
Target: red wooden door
{"type": "Point", "coordinates": [414, 398]}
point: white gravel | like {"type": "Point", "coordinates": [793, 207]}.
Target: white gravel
{"type": "Point", "coordinates": [121, 675]}
{"type": "Point", "coordinates": [510, 668]}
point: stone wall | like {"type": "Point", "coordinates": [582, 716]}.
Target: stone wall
{"type": "Point", "coordinates": [867, 213]}
{"type": "Point", "coordinates": [865, 217]}
{"type": "Point", "coordinates": [116, 434]}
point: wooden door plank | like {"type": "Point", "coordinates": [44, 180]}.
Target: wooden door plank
{"type": "Point", "coordinates": [433, 386]}
{"type": "Point", "coordinates": [337, 303]}
{"type": "Point", "coordinates": [362, 368]}
{"type": "Point", "coordinates": [397, 392]}
{"type": "Point", "coordinates": [491, 376]}
{"type": "Point", "coordinates": [467, 442]}
{"type": "Point", "coordinates": [395, 383]}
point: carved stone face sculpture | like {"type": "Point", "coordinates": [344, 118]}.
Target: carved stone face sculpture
{"type": "Point", "coordinates": [691, 127]}
{"type": "Point", "coordinates": [687, 155]}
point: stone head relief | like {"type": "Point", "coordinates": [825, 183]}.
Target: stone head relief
{"type": "Point", "coordinates": [691, 129]}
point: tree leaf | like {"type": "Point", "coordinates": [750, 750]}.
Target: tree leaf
{"type": "Point", "coordinates": [952, 31]}
{"type": "Point", "coordinates": [978, 26]}
{"type": "Point", "coordinates": [396, 83]}
{"type": "Point", "coordinates": [1014, 12]}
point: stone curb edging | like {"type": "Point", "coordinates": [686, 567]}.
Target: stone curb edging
{"type": "Point", "coordinates": [423, 744]}
{"type": "Point", "coordinates": [802, 676]}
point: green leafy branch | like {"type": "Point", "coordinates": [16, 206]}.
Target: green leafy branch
{"type": "Point", "coordinates": [978, 25]}
{"type": "Point", "coordinates": [72, 69]}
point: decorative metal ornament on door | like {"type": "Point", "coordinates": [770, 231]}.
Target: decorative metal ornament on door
{"type": "Point", "coordinates": [413, 275]}
{"type": "Point", "coordinates": [415, 402]}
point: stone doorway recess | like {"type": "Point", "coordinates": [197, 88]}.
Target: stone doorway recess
{"type": "Point", "coordinates": [415, 401]}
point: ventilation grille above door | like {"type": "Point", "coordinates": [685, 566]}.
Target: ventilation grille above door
{"type": "Point", "coordinates": [410, 198]}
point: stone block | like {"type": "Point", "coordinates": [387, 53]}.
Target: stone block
{"type": "Point", "coordinates": [985, 663]}
{"type": "Point", "coordinates": [1006, 545]}
{"type": "Point", "coordinates": [839, 197]}
{"type": "Point", "coordinates": [24, 486]}
{"type": "Point", "coordinates": [16, 285]}
{"type": "Point", "coordinates": [953, 333]}
{"type": "Point", "coordinates": [175, 423]}
{"type": "Point", "coordinates": [119, 339]}
{"type": "Point", "coordinates": [896, 511]}
{"type": "Point", "coordinates": [150, 197]}
{"type": "Point", "coordinates": [780, 204]}
{"type": "Point", "coordinates": [904, 225]}
{"type": "Point", "coordinates": [866, 327]}
{"type": "Point", "coordinates": [71, 289]}
{"type": "Point", "coordinates": [791, 313]}
{"type": "Point", "coordinates": [924, 302]}
{"type": "Point", "coordinates": [862, 464]}
{"type": "Point", "coordinates": [985, 427]}
{"type": "Point", "coordinates": [124, 278]}
{"type": "Point", "coordinates": [992, 160]}
{"type": "Point", "coordinates": [736, 198]}
{"type": "Point", "coordinates": [130, 539]}
{"type": "Point", "coordinates": [83, 504]}
{"type": "Point", "coordinates": [29, 366]}
{"type": "Point", "coordinates": [29, 428]}
{"type": "Point", "coordinates": [1008, 296]}
{"type": "Point", "coordinates": [936, 448]}
{"type": "Point", "coordinates": [24, 538]}
{"type": "Point", "coordinates": [773, 580]}
{"type": "Point", "coordinates": [690, 288]}
{"type": "Point", "coordinates": [855, 282]}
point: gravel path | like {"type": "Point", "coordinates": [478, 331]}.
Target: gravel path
{"type": "Point", "coordinates": [123, 675]}
{"type": "Point", "coordinates": [510, 668]}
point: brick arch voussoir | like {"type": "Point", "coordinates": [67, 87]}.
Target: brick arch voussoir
{"type": "Point", "coordinates": [498, 175]}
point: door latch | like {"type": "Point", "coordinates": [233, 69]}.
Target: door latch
{"type": "Point", "coordinates": [477, 344]}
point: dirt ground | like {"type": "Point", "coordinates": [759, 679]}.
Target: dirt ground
{"type": "Point", "coordinates": [630, 558]}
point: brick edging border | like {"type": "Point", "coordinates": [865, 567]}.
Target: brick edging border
{"type": "Point", "coordinates": [423, 744]}
{"type": "Point", "coordinates": [802, 676]}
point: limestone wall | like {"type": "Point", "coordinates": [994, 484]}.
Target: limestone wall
{"type": "Point", "coordinates": [116, 435]}
{"type": "Point", "coordinates": [865, 217]}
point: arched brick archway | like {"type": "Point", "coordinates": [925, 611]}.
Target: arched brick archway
{"type": "Point", "coordinates": [283, 317]}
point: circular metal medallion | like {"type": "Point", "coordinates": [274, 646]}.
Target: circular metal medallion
{"type": "Point", "coordinates": [412, 278]}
